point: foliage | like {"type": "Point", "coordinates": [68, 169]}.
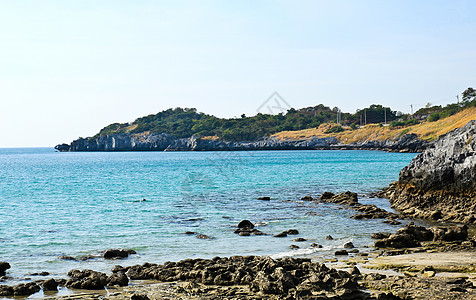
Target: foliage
{"type": "Point", "coordinates": [410, 122]}
{"type": "Point", "coordinates": [185, 122]}
{"type": "Point", "coordinates": [334, 129]}
{"type": "Point", "coordinates": [434, 117]}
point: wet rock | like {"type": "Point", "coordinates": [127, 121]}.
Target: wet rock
{"type": "Point", "coordinates": [26, 289]}
{"type": "Point", "coordinates": [6, 291]}
{"type": "Point", "coordinates": [282, 234]}
{"type": "Point", "coordinates": [117, 279]}
{"type": "Point", "coordinates": [50, 285]}
{"type": "Point", "coordinates": [204, 237]}
{"type": "Point", "coordinates": [246, 224]}
{"type": "Point", "coordinates": [315, 245]}
{"type": "Point", "coordinates": [347, 198]}
{"type": "Point", "coordinates": [292, 231]}
{"type": "Point", "coordinates": [117, 253]}
{"type": "Point", "coordinates": [450, 234]}
{"type": "Point", "coordinates": [285, 278]}
{"type": "Point", "coordinates": [326, 196]}
{"type": "Point", "coordinates": [307, 198]}
{"type": "Point", "coordinates": [341, 252]}
{"type": "Point", "coordinates": [380, 235]}
{"type": "Point", "coordinates": [40, 274]}
{"type": "Point", "coordinates": [349, 245]}
{"type": "Point", "coordinates": [67, 257]}
{"type": "Point", "coordinates": [190, 232]}
{"type": "Point", "coordinates": [329, 238]}
{"type": "Point", "coordinates": [264, 198]}
{"type": "Point", "coordinates": [398, 240]}
{"type": "Point", "coordinates": [4, 266]}
{"type": "Point", "coordinates": [294, 247]}
{"type": "Point", "coordinates": [392, 222]}
{"type": "Point", "coordinates": [244, 233]}
{"type": "Point", "coordinates": [86, 279]}
{"type": "Point", "coordinates": [299, 240]}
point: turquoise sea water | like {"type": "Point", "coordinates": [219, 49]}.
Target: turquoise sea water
{"type": "Point", "coordinates": [76, 204]}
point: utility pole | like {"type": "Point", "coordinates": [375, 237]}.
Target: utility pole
{"type": "Point", "coordinates": [385, 113]}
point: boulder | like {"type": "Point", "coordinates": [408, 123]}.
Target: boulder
{"type": "Point", "coordinates": [117, 253]}
{"type": "Point", "coordinates": [50, 285]}
{"type": "Point", "coordinates": [440, 183]}
{"type": "Point", "coordinates": [86, 279]}
{"type": "Point", "coordinates": [450, 234]}
{"type": "Point", "coordinates": [246, 224]}
{"type": "Point", "coordinates": [4, 266]}
{"type": "Point", "coordinates": [326, 196]}
{"type": "Point", "coordinates": [26, 289]}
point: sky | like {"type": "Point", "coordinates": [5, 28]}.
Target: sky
{"type": "Point", "coordinates": [69, 68]}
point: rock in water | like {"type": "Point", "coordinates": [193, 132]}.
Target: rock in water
{"type": "Point", "coordinates": [3, 267]}
{"type": "Point", "coordinates": [440, 183]}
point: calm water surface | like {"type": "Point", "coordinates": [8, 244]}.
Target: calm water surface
{"type": "Point", "coordinates": [77, 204]}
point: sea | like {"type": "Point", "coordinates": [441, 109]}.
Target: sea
{"type": "Point", "coordinates": [80, 204]}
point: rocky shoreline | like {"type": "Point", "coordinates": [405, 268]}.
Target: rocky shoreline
{"type": "Point", "coordinates": [352, 275]}
{"type": "Point", "coordinates": [165, 142]}
{"type": "Point", "coordinates": [440, 183]}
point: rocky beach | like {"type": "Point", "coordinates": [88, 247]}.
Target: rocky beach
{"type": "Point", "coordinates": [415, 262]}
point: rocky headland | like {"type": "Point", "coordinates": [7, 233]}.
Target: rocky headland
{"type": "Point", "coordinates": [166, 142]}
{"type": "Point", "coordinates": [440, 183]}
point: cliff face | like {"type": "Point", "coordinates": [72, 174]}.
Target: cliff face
{"type": "Point", "coordinates": [440, 183]}
{"type": "Point", "coordinates": [165, 142]}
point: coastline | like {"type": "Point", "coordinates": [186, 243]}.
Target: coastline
{"type": "Point", "coordinates": [449, 268]}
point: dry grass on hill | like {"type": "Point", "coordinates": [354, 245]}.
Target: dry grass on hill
{"type": "Point", "coordinates": [427, 130]}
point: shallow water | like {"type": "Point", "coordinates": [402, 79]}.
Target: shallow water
{"type": "Point", "coordinates": [76, 204]}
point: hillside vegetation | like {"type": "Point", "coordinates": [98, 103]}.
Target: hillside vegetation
{"type": "Point", "coordinates": [318, 120]}
{"type": "Point", "coordinates": [426, 130]}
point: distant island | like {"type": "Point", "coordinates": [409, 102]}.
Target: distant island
{"type": "Point", "coordinates": [318, 127]}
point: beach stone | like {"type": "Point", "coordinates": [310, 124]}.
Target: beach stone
{"type": "Point", "coordinates": [117, 279]}
{"type": "Point", "coordinates": [380, 235]}
{"type": "Point", "coordinates": [264, 198]}
{"type": "Point", "coordinates": [246, 224]}
{"type": "Point", "coordinates": [307, 198]}
{"type": "Point", "coordinates": [6, 291]}
{"type": "Point", "coordinates": [349, 245]}
{"type": "Point", "coordinates": [294, 247]}
{"type": "Point", "coordinates": [116, 253]}
{"type": "Point", "coordinates": [282, 234]}
{"type": "Point", "coordinates": [450, 234]}
{"type": "Point", "coordinates": [26, 289]}
{"type": "Point", "coordinates": [86, 279]}
{"type": "Point", "coordinates": [292, 231]}
{"type": "Point", "coordinates": [299, 240]}
{"type": "Point", "coordinates": [3, 267]}
{"type": "Point", "coordinates": [341, 252]}
{"type": "Point", "coordinates": [329, 238]}
{"type": "Point", "coordinates": [315, 245]}
{"type": "Point", "coordinates": [50, 285]}
{"type": "Point", "coordinates": [190, 232]}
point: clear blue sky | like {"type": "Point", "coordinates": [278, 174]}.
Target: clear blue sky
{"type": "Point", "coordinates": [69, 68]}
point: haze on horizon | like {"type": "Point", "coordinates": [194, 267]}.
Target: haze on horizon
{"type": "Point", "coordinates": [69, 68]}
